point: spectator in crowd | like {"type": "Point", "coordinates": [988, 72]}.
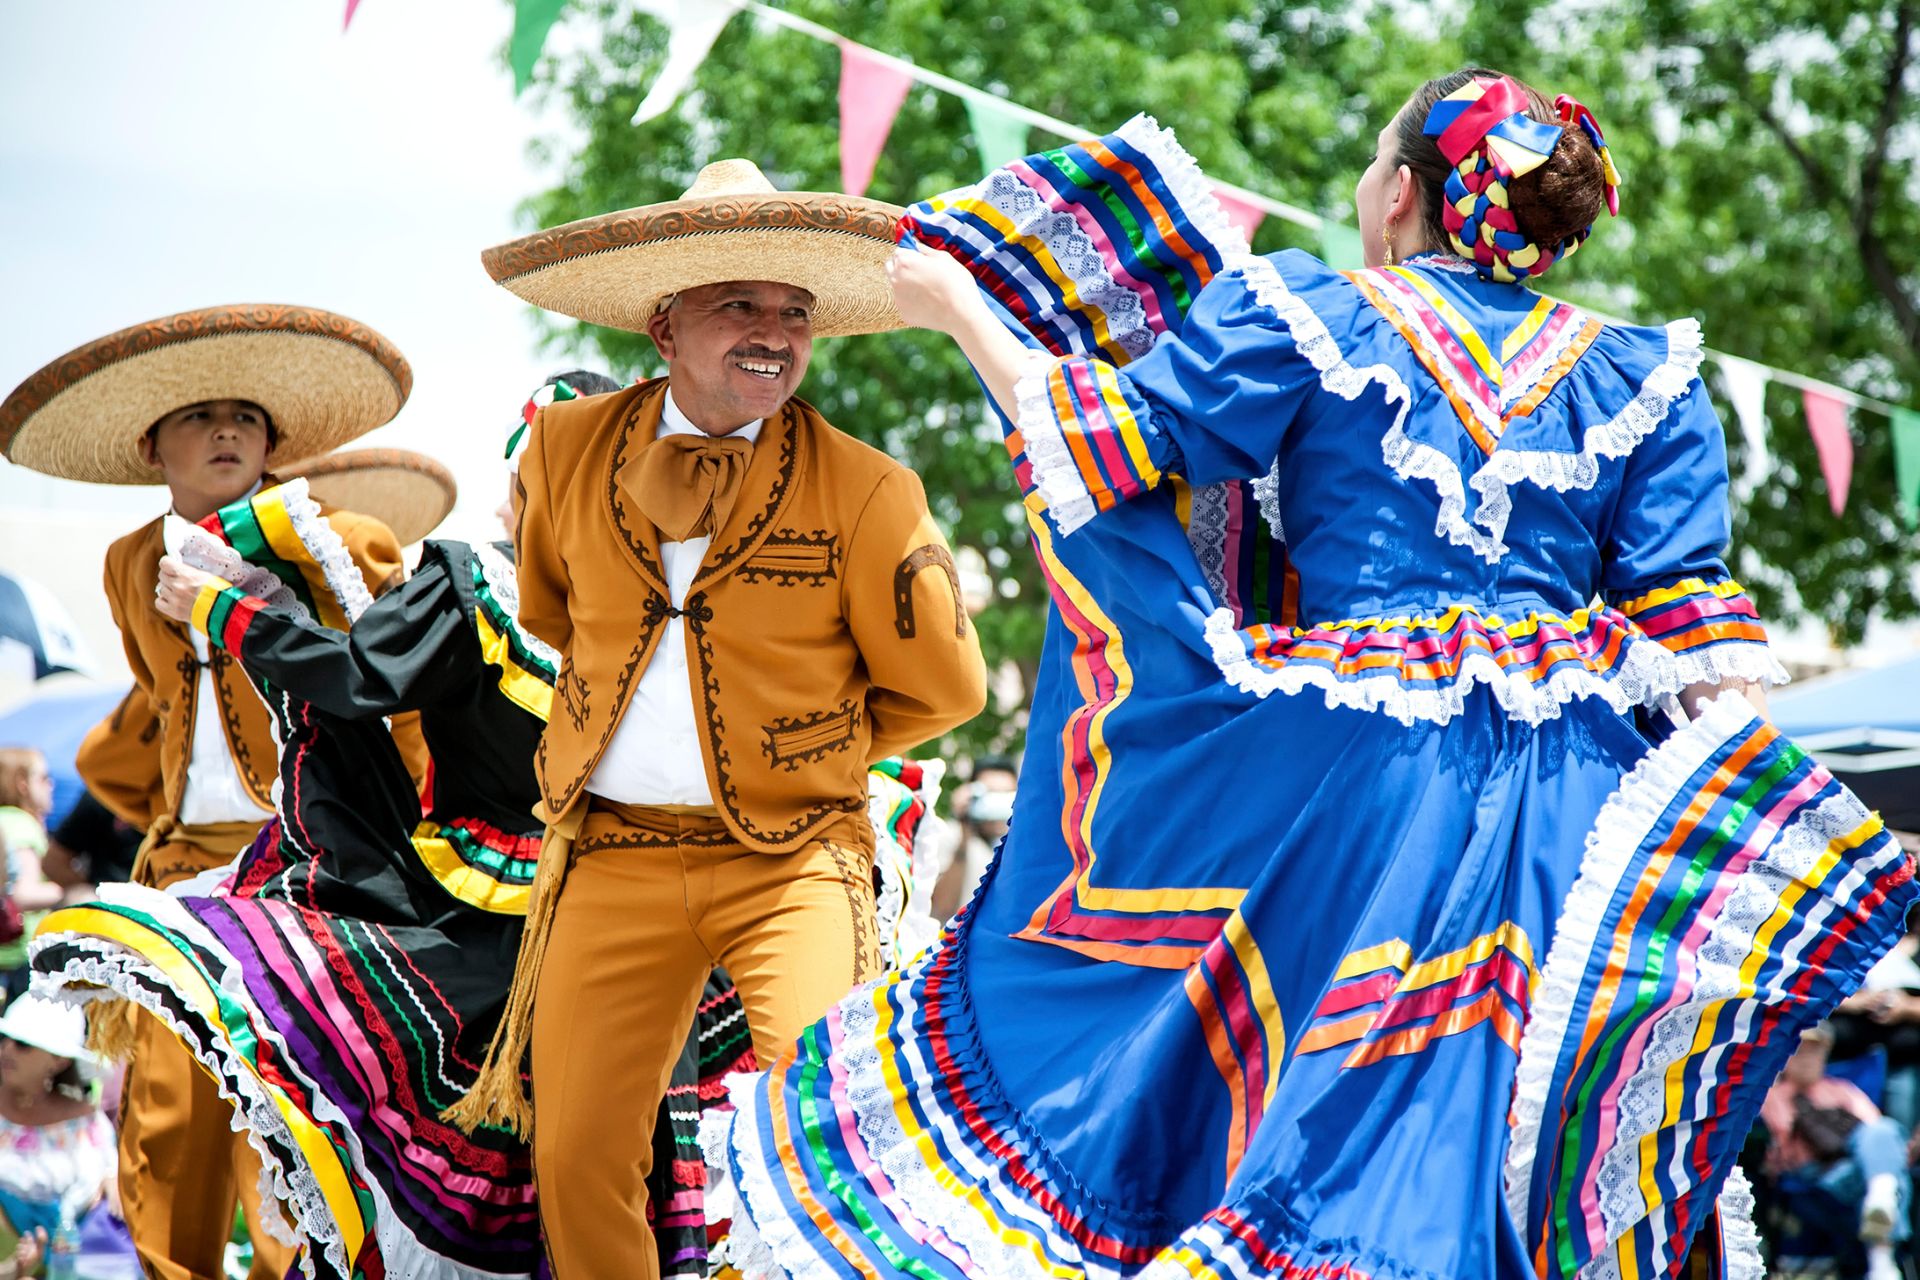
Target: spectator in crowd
{"type": "Point", "coordinates": [59, 1147]}
{"type": "Point", "coordinates": [983, 807]}
{"type": "Point", "coordinates": [26, 798]}
{"type": "Point", "coordinates": [90, 847]}
{"type": "Point", "coordinates": [1839, 1162]}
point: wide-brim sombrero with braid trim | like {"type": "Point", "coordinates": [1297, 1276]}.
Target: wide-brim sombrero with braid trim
{"type": "Point", "coordinates": [408, 492]}
{"type": "Point", "coordinates": [617, 268]}
{"type": "Point", "coordinates": [324, 380]}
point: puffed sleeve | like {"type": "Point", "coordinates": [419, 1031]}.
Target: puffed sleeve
{"type": "Point", "coordinates": [408, 650]}
{"type": "Point", "coordinates": [1209, 403]}
{"type": "Point", "coordinates": [377, 553]}
{"type": "Point", "coordinates": [1662, 564]}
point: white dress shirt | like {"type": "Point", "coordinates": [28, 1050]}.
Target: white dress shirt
{"type": "Point", "coordinates": [654, 756]}
{"type": "Point", "coordinates": [214, 790]}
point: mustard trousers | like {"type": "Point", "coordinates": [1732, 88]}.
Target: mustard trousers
{"type": "Point", "coordinates": [182, 1167]}
{"type": "Point", "coordinates": [655, 898]}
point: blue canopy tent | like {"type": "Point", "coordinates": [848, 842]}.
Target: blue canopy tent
{"type": "Point", "coordinates": [55, 721]}
{"type": "Point", "coordinates": [1865, 726]}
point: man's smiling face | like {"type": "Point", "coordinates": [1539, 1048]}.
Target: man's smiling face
{"type": "Point", "coordinates": [736, 351]}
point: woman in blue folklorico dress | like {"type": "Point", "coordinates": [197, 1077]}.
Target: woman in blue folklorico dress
{"type": "Point", "coordinates": [1355, 920]}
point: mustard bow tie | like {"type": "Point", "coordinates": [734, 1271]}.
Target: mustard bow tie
{"type": "Point", "coordinates": [687, 484]}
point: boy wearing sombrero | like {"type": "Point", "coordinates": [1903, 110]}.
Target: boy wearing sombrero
{"type": "Point", "coordinates": [752, 607]}
{"type": "Point", "coordinates": [200, 401]}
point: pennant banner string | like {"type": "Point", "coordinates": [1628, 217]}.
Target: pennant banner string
{"type": "Point", "coordinates": [534, 16]}
{"type": "Point", "coordinates": [1292, 213]}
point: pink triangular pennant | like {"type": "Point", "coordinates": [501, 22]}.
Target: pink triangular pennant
{"type": "Point", "coordinates": [871, 91]}
{"type": "Point", "coordinates": [1245, 215]}
{"type": "Point", "coordinates": [1827, 424]}
{"type": "Point", "coordinates": [348, 20]}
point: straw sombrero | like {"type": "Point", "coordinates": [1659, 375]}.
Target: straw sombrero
{"type": "Point", "coordinates": [408, 492]}
{"type": "Point", "coordinates": [731, 225]}
{"type": "Point", "coordinates": [322, 378]}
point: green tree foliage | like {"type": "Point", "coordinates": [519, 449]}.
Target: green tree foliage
{"type": "Point", "coordinates": [1769, 190]}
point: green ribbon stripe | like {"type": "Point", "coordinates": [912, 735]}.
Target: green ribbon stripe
{"type": "Point", "coordinates": [500, 865]}
{"type": "Point", "coordinates": [219, 614]}
{"type": "Point", "coordinates": [818, 1047]}
{"type": "Point", "coordinates": [504, 623]}
{"type": "Point", "coordinates": [434, 1101]}
{"type": "Point", "coordinates": [1101, 185]}
{"type": "Point", "coordinates": [1724, 831]}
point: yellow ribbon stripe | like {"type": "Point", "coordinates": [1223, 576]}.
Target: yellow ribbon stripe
{"type": "Point", "coordinates": [192, 987]}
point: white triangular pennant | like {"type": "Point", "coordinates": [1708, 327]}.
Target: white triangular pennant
{"type": "Point", "coordinates": [1746, 387]}
{"type": "Point", "coordinates": [695, 25]}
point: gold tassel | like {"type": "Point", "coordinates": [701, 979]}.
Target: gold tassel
{"type": "Point", "coordinates": [497, 1098]}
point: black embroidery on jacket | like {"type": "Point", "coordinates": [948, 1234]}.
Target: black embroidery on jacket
{"type": "Point", "coordinates": [729, 795]}
{"type": "Point", "coordinates": [789, 558]}
{"type": "Point", "coordinates": [791, 743]}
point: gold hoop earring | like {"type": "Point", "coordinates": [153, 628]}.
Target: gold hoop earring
{"type": "Point", "coordinates": [1386, 238]}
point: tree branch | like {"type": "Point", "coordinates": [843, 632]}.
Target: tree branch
{"type": "Point", "coordinates": [1854, 212]}
{"type": "Point", "coordinates": [1891, 96]}
{"type": "Point", "coordinates": [1741, 78]}
{"type": "Point", "coordinates": [1874, 255]}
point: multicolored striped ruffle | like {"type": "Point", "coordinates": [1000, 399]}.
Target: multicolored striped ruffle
{"type": "Point", "coordinates": [1712, 622]}
{"type": "Point", "coordinates": [1079, 444]}
{"type": "Point", "coordinates": [1424, 668]}
{"type": "Point", "coordinates": [1094, 249]}
{"type": "Point", "coordinates": [222, 613]}
{"type": "Point", "coordinates": [479, 863]}
{"type": "Point", "coordinates": [315, 1137]}
{"type": "Point", "coordinates": [879, 1148]}
{"type": "Point", "coordinates": [901, 798]}
{"type": "Point", "coordinates": [1732, 894]}
{"type": "Point", "coordinates": [528, 665]}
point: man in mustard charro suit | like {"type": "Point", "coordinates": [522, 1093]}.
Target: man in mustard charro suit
{"type": "Point", "coordinates": [198, 401]}
{"type": "Point", "coordinates": [752, 607]}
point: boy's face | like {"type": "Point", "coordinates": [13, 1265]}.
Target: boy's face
{"type": "Point", "coordinates": [216, 449]}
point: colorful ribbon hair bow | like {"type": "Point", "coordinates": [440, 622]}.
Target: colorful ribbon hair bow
{"type": "Point", "coordinates": [546, 395]}
{"type": "Point", "coordinates": [1572, 112]}
{"type": "Point", "coordinates": [1483, 130]}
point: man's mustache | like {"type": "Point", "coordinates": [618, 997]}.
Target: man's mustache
{"type": "Point", "coordinates": [762, 353]}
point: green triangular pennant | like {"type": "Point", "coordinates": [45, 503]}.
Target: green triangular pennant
{"type": "Point", "coordinates": [999, 135]}
{"type": "Point", "coordinates": [1906, 463]}
{"type": "Point", "coordinates": [532, 19]}
{"type": "Point", "coordinates": [1340, 247]}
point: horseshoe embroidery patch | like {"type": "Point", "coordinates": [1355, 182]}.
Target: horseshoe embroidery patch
{"type": "Point", "coordinates": [921, 558]}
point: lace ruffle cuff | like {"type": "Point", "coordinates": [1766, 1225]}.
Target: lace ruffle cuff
{"type": "Point", "coordinates": [1081, 440]}
{"type": "Point", "coordinates": [1710, 623]}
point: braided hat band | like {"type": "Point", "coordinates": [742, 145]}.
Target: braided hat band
{"type": "Point", "coordinates": [1483, 130]}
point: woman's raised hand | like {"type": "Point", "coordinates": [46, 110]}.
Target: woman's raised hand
{"type": "Point", "coordinates": [931, 290]}
{"type": "Point", "coordinates": [178, 588]}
